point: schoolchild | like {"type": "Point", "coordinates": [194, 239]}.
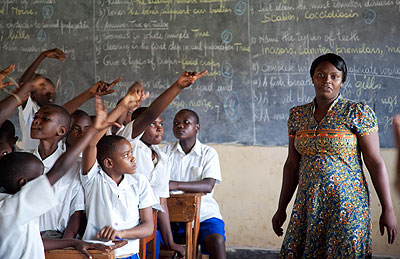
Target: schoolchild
{"type": "Point", "coordinates": [118, 201]}
{"type": "Point", "coordinates": [195, 168]}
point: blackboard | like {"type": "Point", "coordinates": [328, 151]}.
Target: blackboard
{"type": "Point", "coordinates": [258, 54]}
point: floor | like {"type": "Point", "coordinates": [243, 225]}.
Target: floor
{"type": "Point", "coordinates": [243, 253]}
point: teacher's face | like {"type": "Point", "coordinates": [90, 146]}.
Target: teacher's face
{"type": "Point", "coordinates": [327, 80]}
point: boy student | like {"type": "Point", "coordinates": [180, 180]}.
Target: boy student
{"type": "Point", "coordinates": [45, 93]}
{"type": "Point", "coordinates": [118, 201]}
{"type": "Point", "coordinates": [28, 194]}
{"type": "Point", "coordinates": [195, 168]}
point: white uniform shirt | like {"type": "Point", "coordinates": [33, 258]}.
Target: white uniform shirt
{"type": "Point", "coordinates": [158, 176]}
{"type": "Point", "coordinates": [200, 163]}
{"type": "Point", "coordinates": [19, 225]}
{"type": "Point", "coordinates": [109, 204]}
{"type": "Point", "coordinates": [25, 121]}
{"type": "Point", "coordinates": [69, 192]}
{"type": "Point", "coordinates": [126, 132]}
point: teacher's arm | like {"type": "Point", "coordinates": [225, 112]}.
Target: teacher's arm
{"type": "Point", "coordinates": [289, 185]}
{"type": "Point", "coordinates": [374, 162]}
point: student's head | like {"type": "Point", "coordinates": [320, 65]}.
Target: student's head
{"type": "Point", "coordinates": [186, 124]}
{"type": "Point", "coordinates": [154, 133]}
{"type": "Point", "coordinates": [7, 137]}
{"type": "Point", "coordinates": [80, 123]}
{"type": "Point", "coordinates": [114, 154]}
{"type": "Point", "coordinates": [14, 174]}
{"type": "Point", "coordinates": [50, 121]}
{"type": "Point", "coordinates": [45, 92]}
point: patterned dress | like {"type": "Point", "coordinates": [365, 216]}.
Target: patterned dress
{"type": "Point", "coordinates": [331, 215]}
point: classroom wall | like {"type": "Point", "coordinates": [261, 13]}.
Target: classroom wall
{"type": "Point", "coordinates": [248, 196]}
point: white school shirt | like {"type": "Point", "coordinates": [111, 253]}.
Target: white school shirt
{"type": "Point", "coordinates": [126, 132]}
{"type": "Point", "coordinates": [25, 121]}
{"type": "Point", "coordinates": [200, 163]}
{"type": "Point", "coordinates": [109, 204]}
{"type": "Point", "coordinates": [19, 224]}
{"type": "Point", "coordinates": [158, 176]}
{"type": "Point", "coordinates": [69, 192]}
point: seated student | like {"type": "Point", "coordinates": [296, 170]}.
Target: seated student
{"type": "Point", "coordinates": [195, 168]}
{"type": "Point", "coordinates": [28, 194]}
{"type": "Point", "coordinates": [51, 123]}
{"type": "Point", "coordinates": [153, 163]}
{"type": "Point", "coordinates": [118, 201]}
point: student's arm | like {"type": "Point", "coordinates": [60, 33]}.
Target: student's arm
{"type": "Point", "coordinates": [132, 99]}
{"type": "Point", "coordinates": [162, 101]}
{"type": "Point", "coordinates": [79, 245]}
{"type": "Point", "coordinates": [100, 88]}
{"type": "Point", "coordinates": [165, 229]}
{"type": "Point", "coordinates": [5, 72]}
{"type": "Point", "coordinates": [144, 229]}
{"type": "Point", "coordinates": [74, 224]}
{"type": "Point", "coordinates": [289, 185]}
{"type": "Point", "coordinates": [30, 71]}
{"type": "Point", "coordinates": [373, 160]}
{"type": "Point", "coordinates": [64, 162]}
{"type": "Point", "coordinates": [11, 102]}
{"type": "Point", "coordinates": [206, 185]}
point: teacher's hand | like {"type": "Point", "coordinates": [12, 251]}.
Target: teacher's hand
{"type": "Point", "coordinates": [388, 221]}
{"type": "Point", "coordinates": [277, 221]}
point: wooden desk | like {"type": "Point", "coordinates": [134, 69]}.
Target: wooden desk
{"type": "Point", "coordinates": [186, 208]}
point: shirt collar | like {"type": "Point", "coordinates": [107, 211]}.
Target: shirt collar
{"type": "Point", "coordinates": [49, 161]}
{"type": "Point", "coordinates": [196, 149]}
{"type": "Point", "coordinates": [339, 97]}
{"type": "Point", "coordinates": [123, 184]}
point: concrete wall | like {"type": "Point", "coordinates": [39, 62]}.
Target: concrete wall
{"type": "Point", "coordinates": [248, 196]}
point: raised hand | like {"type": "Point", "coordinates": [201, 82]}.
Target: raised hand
{"type": "Point", "coordinates": [5, 72]}
{"type": "Point", "coordinates": [55, 53]}
{"type": "Point", "coordinates": [102, 88]}
{"type": "Point", "coordinates": [188, 78]}
{"type": "Point", "coordinates": [135, 96]}
{"type": "Point", "coordinates": [101, 122]}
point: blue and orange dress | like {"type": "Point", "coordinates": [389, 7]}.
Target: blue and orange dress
{"type": "Point", "coordinates": [331, 215]}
